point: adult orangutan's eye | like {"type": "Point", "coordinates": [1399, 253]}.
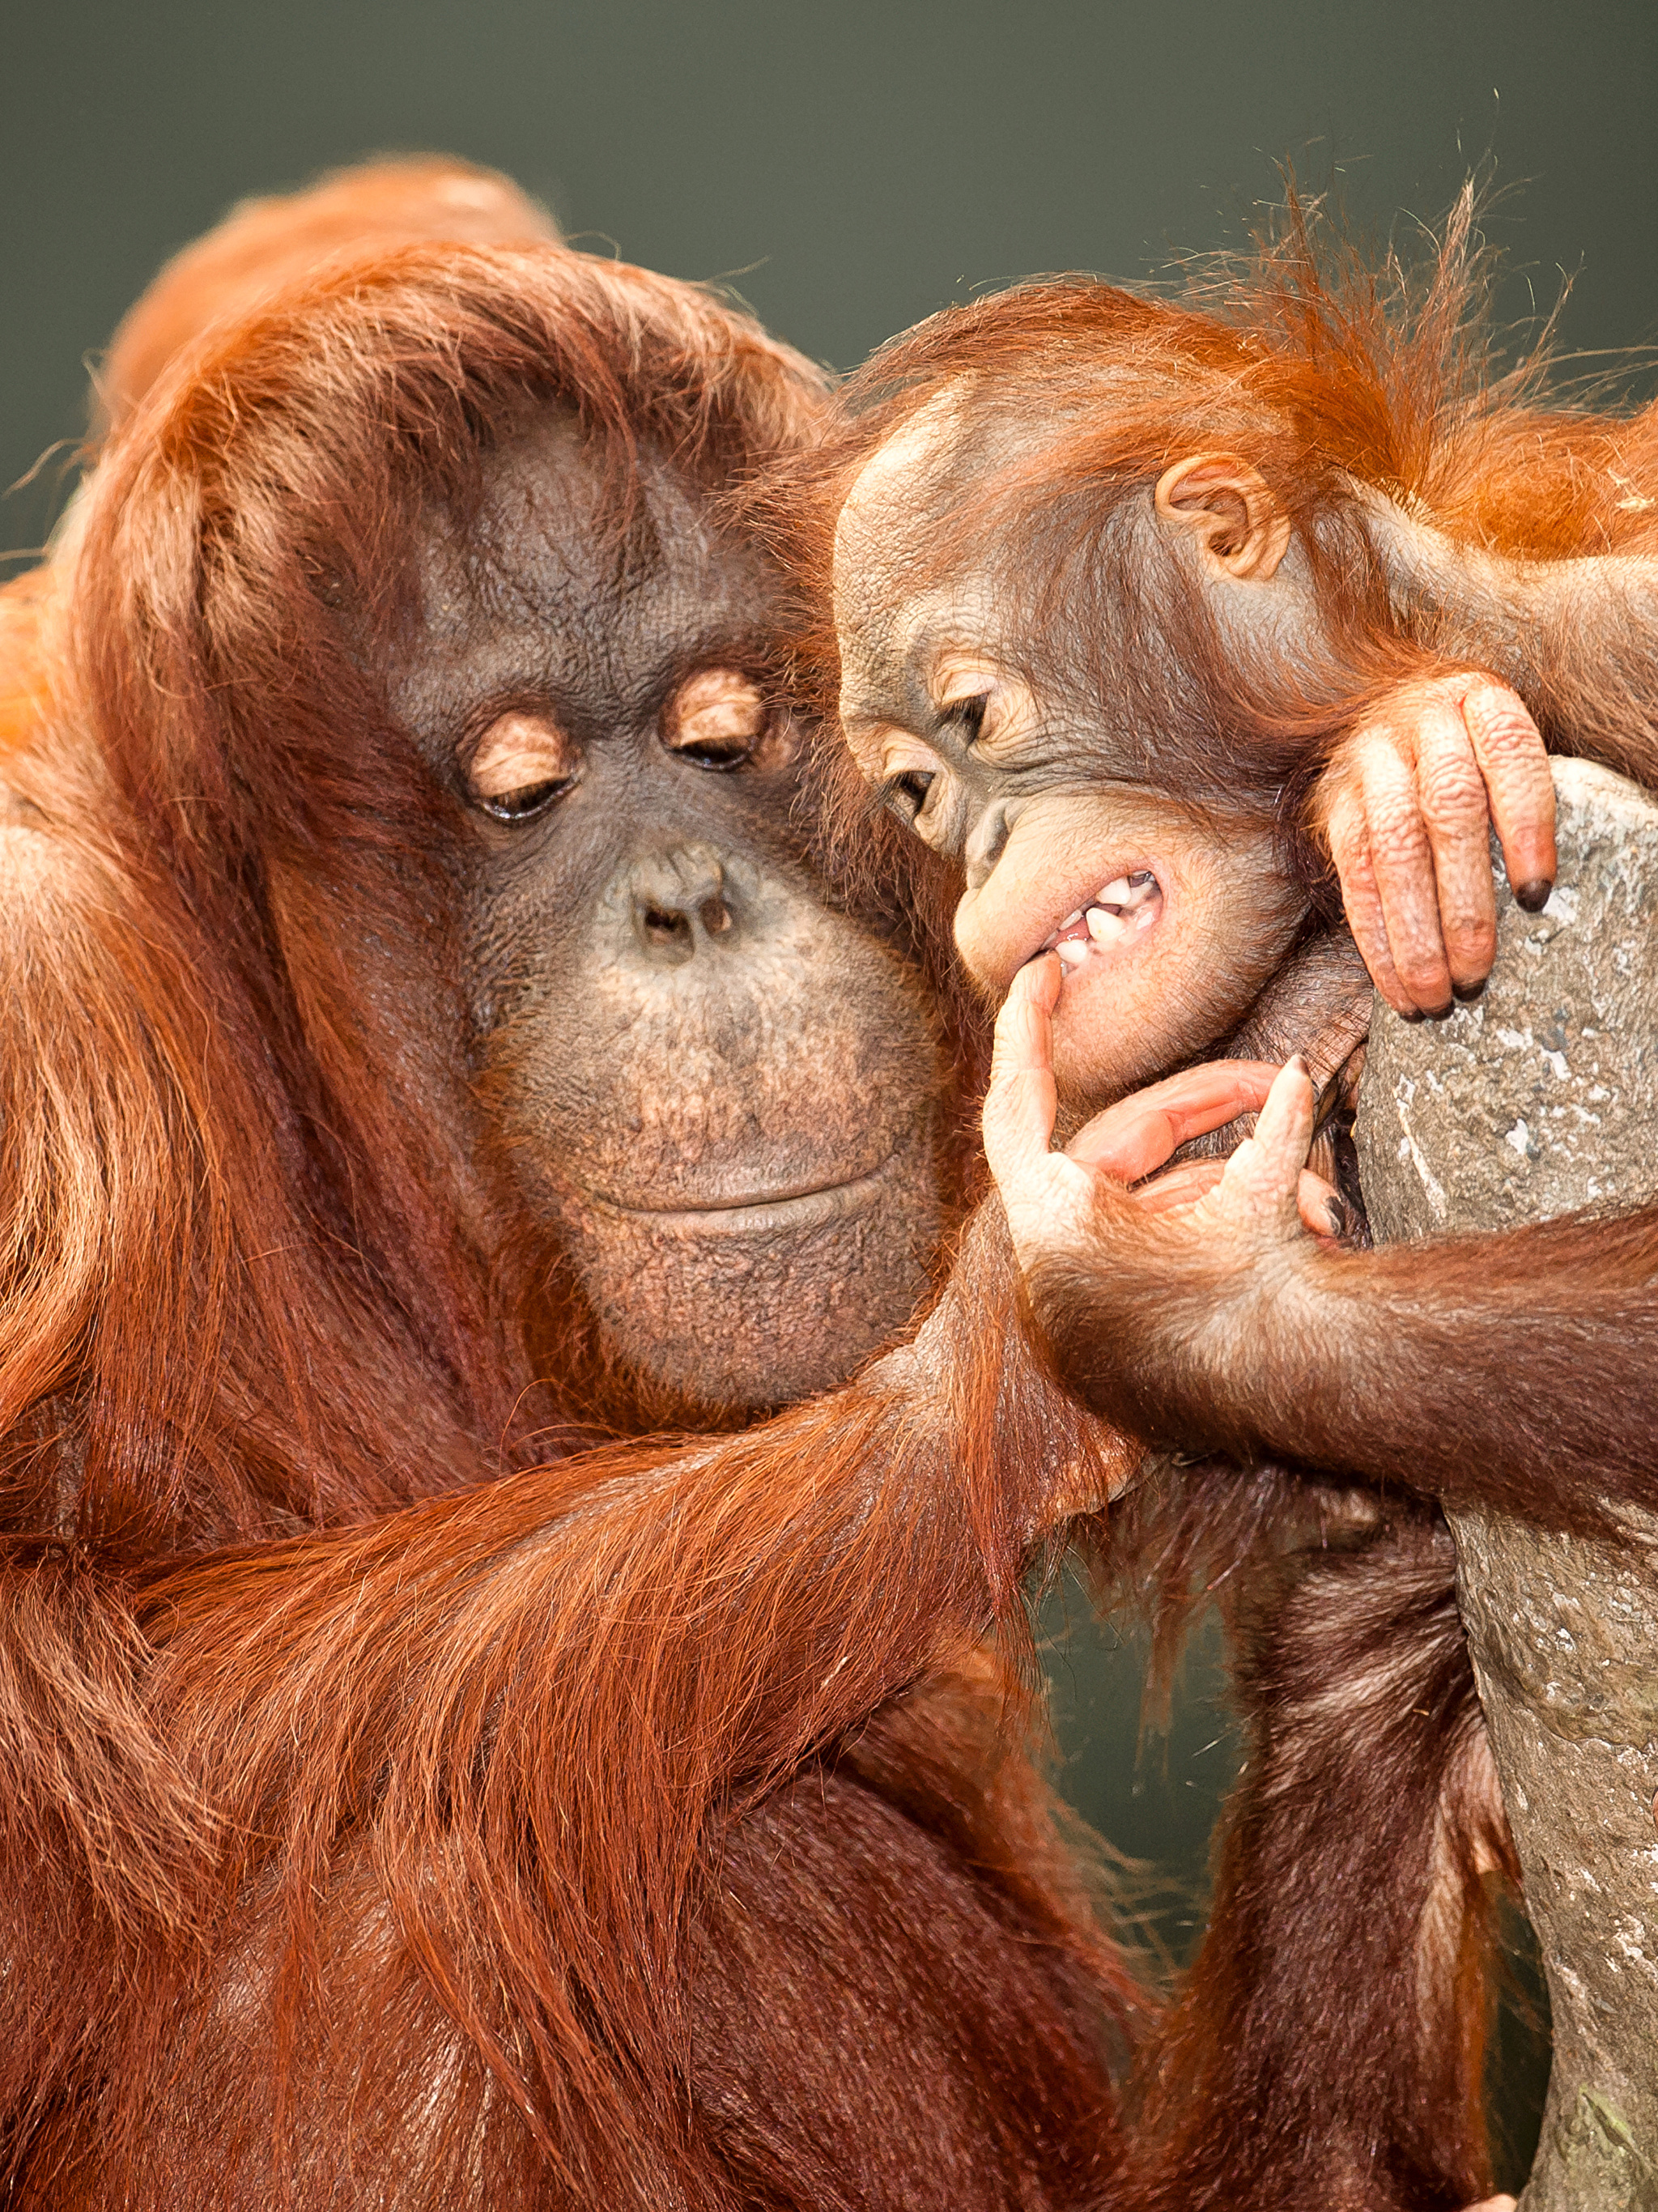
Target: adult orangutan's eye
{"type": "Point", "coordinates": [520, 765]}
{"type": "Point", "coordinates": [719, 719]}
{"type": "Point", "coordinates": [519, 805]}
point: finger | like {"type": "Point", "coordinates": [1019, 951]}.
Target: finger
{"type": "Point", "coordinates": [1020, 1102]}
{"type": "Point", "coordinates": [1182, 1185]}
{"type": "Point", "coordinates": [1456, 815]}
{"type": "Point", "coordinates": [1350, 849]}
{"type": "Point", "coordinates": [1508, 748]}
{"type": "Point", "coordinates": [1320, 1206]}
{"type": "Point", "coordinates": [1403, 861]}
{"type": "Point", "coordinates": [1136, 1135]}
{"type": "Point", "coordinates": [1263, 1175]}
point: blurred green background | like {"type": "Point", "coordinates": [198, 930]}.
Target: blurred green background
{"type": "Point", "coordinates": [848, 169]}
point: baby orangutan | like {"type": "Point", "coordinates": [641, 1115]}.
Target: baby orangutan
{"type": "Point", "coordinates": [1187, 658]}
{"type": "Point", "coordinates": [1144, 617]}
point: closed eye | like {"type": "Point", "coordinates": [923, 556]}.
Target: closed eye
{"type": "Point", "coordinates": [905, 795]}
{"type": "Point", "coordinates": [530, 799]}
{"type": "Point", "coordinates": [967, 715]}
{"type": "Point", "coordinates": [522, 763]}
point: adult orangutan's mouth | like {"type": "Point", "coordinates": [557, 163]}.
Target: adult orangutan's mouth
{"type": "Point", "coordinates": [1112, 918]}
{"type": "Point", "coordinates": [770, 1213]}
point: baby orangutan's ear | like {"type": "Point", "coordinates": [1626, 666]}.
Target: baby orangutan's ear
{"type": "Point", "coordinates": [1225, 502]}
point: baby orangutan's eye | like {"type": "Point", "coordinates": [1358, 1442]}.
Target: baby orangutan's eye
{"type": "Point", "coordinates": [719, 719]}
{"type": "Point", "coordinates": [985, 709]}
{"type": "Point", "coordinates": [907, 794]}
{"type": "Point", "coordinates": [520, 765]}
{"type": "Point", "coordinates": [968, 715]}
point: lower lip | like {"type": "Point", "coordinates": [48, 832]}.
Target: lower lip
{"type": "Point", "coordinates": [761, 1217]}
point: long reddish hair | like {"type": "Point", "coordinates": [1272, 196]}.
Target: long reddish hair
{"type": "Point", "coordinates": [254, 1252]}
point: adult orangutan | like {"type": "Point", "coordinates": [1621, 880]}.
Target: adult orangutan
{"type": "Point", "coordinates": [433, 1036]}
{"type": "Point", "coordinates": [397, 802]}
{"type": "Point", "coordinates": [1114, 581]}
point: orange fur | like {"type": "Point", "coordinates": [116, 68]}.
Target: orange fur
{"type": "Point", "coordinates": [391, 1817]}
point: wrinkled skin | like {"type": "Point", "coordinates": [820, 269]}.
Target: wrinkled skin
{"type": "Point", "coordinates": [717, 1089]}
{"type": "Point", "coordinates": [1003, 763]}
{"type": "Point", "coordinates": [1205, 1316]}
{"type": "Point", "coordinates": [1004, 751]}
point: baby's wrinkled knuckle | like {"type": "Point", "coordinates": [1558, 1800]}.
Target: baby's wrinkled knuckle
{"type": "Point", "coordinates": [1454, 792]}
{"type": "Point", "coordinates": [1422, 971]}
{"type": "Point", "coordinates": [1499, 721]}
{"type": "Point", "coordinates": [1471, 957]}
{"type": "Point", "coordinates": [1397, 838]}
{"type": "Point", "coordinates": [1471, 936]}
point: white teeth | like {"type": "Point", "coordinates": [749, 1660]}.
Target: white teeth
{"type": "Point", "coordinates": [1127, 903]}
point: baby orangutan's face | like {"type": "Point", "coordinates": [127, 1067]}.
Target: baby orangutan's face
{"type": "Point", "coordinates": [1168, 920]}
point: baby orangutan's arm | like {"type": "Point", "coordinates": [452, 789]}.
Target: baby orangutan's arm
{"type": "Point", "coordinates": [1521, 1370]}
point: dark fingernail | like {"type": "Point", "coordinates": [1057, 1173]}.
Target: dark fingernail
{"type": "Point", "coordinates": [1466, 994]}
{"type": "Point", "coordinates": [1442, 1013]}
{"type": "Point", "coordinates": [1415, 1015]}
{"type": "Point", "coordinates": [1534, 896]}
{"type": "Point", "coordinates": [1298, 1061]}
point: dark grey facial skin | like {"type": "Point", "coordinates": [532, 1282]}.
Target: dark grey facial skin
{"type": "Point", "coordinates": [718, 1091]}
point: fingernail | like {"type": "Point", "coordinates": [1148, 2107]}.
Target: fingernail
{"type": "Point", "coordinates": [1466, 994]}
{"type": "Point", "coordinates": [1415, 1015]}
{"type": "Point", "coordinates": [1534, 896]}
{"type": "Point", "coordinates": [1298, 1061]}
{"type": "Point", "coordinates": [1440, 1013]}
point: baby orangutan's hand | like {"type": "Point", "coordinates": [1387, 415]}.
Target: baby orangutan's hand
{"type": "Point", "coordinates": [1154, 1303]}
{"type": "Point", "coordinates": [1051, 1198]}
{"type": "Point", "coordinates": [1406, 807]}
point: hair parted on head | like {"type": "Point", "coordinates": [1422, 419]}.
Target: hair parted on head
{"type": "Point", "coordinates": [262, 245]}
{"type": "Point", "coordinates": [281, 466]}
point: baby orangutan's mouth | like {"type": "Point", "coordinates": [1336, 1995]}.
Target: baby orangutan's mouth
{"type": "Point", "coordinates": [1118, 909]}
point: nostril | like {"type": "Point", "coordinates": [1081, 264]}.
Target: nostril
{"type": "Point", "coordinates": [680, 900]}
{"type": "Point", "coordinates": [662, 925]}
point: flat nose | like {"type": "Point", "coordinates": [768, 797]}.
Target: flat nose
{"type": "Point", "coordinates": [683, 901]}
{"type": "Point", "coordinates": [986, 841]}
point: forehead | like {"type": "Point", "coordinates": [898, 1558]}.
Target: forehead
{"type": "Point", "coordinates": [912, 549]}
{"type": "Point", "coordinates": [576, 582]}
{"type": "Point", "coordinates": [895, 499]}
{"type": "Point", "coordinates": [567, 543]}
{"type": "Point", "coordinates": [563, 519]}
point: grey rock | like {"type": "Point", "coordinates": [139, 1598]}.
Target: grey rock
{"type": "Point", "coordinates": [1542, 1098]}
